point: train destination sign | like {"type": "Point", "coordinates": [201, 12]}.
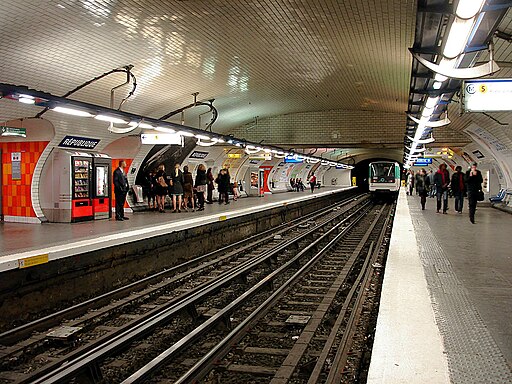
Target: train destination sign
{"type": "Point", "coordinates": [488, 95]}
{"type": "Point", "coordinates": [161, 138]}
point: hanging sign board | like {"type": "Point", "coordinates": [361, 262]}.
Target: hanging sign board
{"type": "Point", "coordinates": [161, 138]}
{"type": "Point", "coordinates": [10, 131]}
{"type": "Point", "coordinates": [78, 142]}
{"type": "Point", "coordinates": [488, 95]}
{"type": "Point", "coordinates": [292, 159]}
{"type": "Point", "coordinates": [423, 161]}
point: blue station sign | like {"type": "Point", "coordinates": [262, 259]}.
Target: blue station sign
{"type": "Point", "coordinates": [423, 161]}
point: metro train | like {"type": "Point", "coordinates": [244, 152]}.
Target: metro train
{"type": "Point", "coordinates": [384, 178]}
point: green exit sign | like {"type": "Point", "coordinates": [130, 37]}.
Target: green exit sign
{"type": "Point", "coordinates": [10, 131]}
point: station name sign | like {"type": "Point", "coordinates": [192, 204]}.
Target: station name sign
{"type": "Point", "coordinates": [423, 161]}
{"type": "Point", "coordinates": [198, 155]}
{"type": "Point", "coordinates": [78, 142]}
{"type": "Point", "coordinates": [487, 95]}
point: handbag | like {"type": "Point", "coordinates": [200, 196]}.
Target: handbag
{"type": "Point", "coordinates": [161, 182]}
{"type": "Point", "coordinates": [480, 196]}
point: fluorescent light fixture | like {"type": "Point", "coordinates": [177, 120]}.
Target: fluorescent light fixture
{"type": "Point", "coordinates": [431, 102]}
{"type": "Point", "coordinates": [72, 111]}
{"type": "Point", "coordinates": [219, 140]}
{"type": "Point", "coordinates": [110, 119]}
{"type": "Point", "coordinates": [186, 134]}
{"type": "Point", "coordinates": [203, 144]}
{"type": "Point", "coordinates": [203, 137]}
{"type": "Point", "coordinates": [427, 112]}
{"type": "Point", "coordinates": [437, 84]}
{"type": "Point", "coordinates": [458, 37]}
{"type": "Point", "coordinates": [25, 96]}
{"type": "Point", "coordinates": [165, 129]}
{"type": "Point", "coordinates": [146, 126]}
{"type": "Point", "coordinates": [26, 100]}
{"type": "Point", "coordinates": [467, 9]}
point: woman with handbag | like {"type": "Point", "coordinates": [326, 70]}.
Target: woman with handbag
{"type": "Point", "coordinates": [161, 188]}
{"type": "Point", "coordinates": [176, 187]}
{"type": "Point", "coordinates": [474, 182]}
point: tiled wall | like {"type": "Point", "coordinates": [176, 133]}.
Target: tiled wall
{"type": "Point", "coordinates": [16, 194]}
{"type": "Point", "coordinates": [115, 165]}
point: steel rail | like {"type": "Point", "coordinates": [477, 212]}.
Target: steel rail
{"type": "Point", "coordinates": [82, 359]}
{"type": "Point", "coordinates": [225, 344]}
{"type": "Point", "coordinates": [15, 334]}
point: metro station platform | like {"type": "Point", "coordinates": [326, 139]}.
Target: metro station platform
{"type": "Point", "coordinates": [60, 240]}
{"type": "Point", "coordinates": [446, 306]}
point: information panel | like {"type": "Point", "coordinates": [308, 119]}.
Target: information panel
{"type": "Point", "coordinates": [488, 95]}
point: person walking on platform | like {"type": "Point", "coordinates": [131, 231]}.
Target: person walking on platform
{"type": "Point", "coordinates": [422, 187]}
{"type": "Point", "coordinates": [209, 186]}
{"type": "Point", "coordinates": [188, 189]}
{"type": "Point", "coordinates": [121, 188]}
{"type": "Point", "coordinates": [458, 184]}
{"type": "Point", "coordinates": [176, 187]}
{"type": "Point", "coordinates": [312, 182]}
{"type": "Point", "coordinates": [474, 182]}
{"type": "Point", "coordinates": [201, 181]}
{"type": "Point", "coordinates": [416, 179]}
{"type": "Point", "coordinates": [432, 191]}
{"type": "Point", "coordinates": [223, 185]}
{"type": "Point", "coordinates": [410, 182]}
{"type": "Point", "coordinates": [161, 188]}
{"type": "Point", "coordinates": [442, 181]}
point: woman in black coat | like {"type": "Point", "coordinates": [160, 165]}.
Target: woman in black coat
{"type": "Point", "coordinates": [474, 182]}
{"type": "Point", "coordinates": [223, 181]}
{"type": "Point", "coordinates": [422, 187]}
{"type": "Point", "coordinates": [201, 181]}
{"type": "Point", "coordinates": [176, 187]}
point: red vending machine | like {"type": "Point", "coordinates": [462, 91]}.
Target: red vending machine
{"type": "Point", "coordinates": [81, 186]}
{"type": "Point", "coordinates": [102, 194]}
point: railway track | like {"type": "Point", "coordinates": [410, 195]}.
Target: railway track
{"type": "Point", "coordinates": [298, 331]}
{"type": "Point", "coordinates": [108, 329]}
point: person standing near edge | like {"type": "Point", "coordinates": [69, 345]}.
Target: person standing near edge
{"type": "Point", "coordinates": [458, 188]}
{"type": "Point", "coordinates": [120, 190]}
{"type": "Point", "coordinates": [441, 181]}
{"type": "Point", "coordinates": [474, 182]}
{"type": "Point", "coordinates": [209, 186]}
{"type": "Point", "coordinates": [312, 182]}
{"type": "Point", "coordinates": [422, 187]}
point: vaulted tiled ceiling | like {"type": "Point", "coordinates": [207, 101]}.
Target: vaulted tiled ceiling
{"type": "Point", "coordinates": [256, 58]}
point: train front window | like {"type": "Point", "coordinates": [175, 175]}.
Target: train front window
{"type": "Point", "coordinates": [383, 172]}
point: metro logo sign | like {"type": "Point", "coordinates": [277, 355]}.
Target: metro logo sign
{"type": "Point", "coordinates": [487, 95]}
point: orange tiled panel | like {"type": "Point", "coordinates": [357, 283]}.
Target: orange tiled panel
{"type": "Point", "coordinates": [16, 193]}
{"type": "Point", "coordinates": [115, 165]}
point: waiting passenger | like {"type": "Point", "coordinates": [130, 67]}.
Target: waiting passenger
{"type": "Point", "coordinates": [431, 175]}
{"type": "Point", "coordinates": [150, 182]}
{"type": "Point", "coordinates": [201, 181]}
{"type": "Point", "coordinates": [458, 185]}
{"type": "Point", "coordinates": [210, 187]}
{"type": "Point", "coordinates": [312, 182]}
{"type": "Point", "coordinates": [422, 187]}
{"type": "Point", "coordinates": [223, 185]}
{"type": "Point", "coordinates": [176, 188]}
{"type": "Point", "coordinates": [188, 189]}
{"type": "Point", "coordinates": [410, 182]}
{"type": "Point", "coordinates": [474, 182]}
{"type": "Point", "coordinates": [442, 181]}
{"type": "Point", "coordinates": [161, 188]}
{"type": "Point", "coordinates": [235, 191]}
{"type": "Point", "coordinates": [292, 183]}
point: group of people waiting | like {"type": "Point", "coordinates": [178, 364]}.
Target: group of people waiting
{"type": "Point", "coordinates": [438, 184]}
{"type": "Point", "coordinates": [298, 185]}
{"type": "Point", "coordinates": [186, 191]}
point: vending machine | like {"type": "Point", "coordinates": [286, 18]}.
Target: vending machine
{"type": "Point", "coordinates": [68, 186]}
{"type": "Point", "coordinates": [101, 191]}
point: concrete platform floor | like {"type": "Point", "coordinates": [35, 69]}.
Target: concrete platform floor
{"type": "Point", "coordinates": [20, 240]}
{"type": "Point", "coordinates": [467, 271]}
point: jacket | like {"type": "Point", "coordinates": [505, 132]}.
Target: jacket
{"type": "Point", "coordinates": [458, 182]}
{"type": "Point", "coordinates": [224, 182]}
{"type": "Point", "coordinates": [177, 182]}
{"type": "Point", "coordinates": [201, 178]}
{"type": "Point", "coordinates": [422, 184]}
{"type": "Point", "coordinates": [442, 180]}
{"type": "Point", "coordinates": [474, 183]}
{"type": "Point", "coordinates": [120, 182]}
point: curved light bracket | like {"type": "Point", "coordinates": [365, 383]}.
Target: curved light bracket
{"type": "Point", "coordinates": [460, 73]}
{"type": "Point", "coordinates": [431, 124]}
{"type": "Point", "coordinates": [425, 141]}
{"type": "Point", "coordinates": [202, 143]}
{"type": "Point", "coordinates": [252, 151]}
{"type": "Point", "coordinates": [112, 128]}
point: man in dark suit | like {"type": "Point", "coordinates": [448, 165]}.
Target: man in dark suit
{"type": "Point", "coordinates": [120, 190]}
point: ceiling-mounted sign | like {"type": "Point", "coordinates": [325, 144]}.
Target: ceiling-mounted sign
{"type": "Point", "coordinates": [161, 138]}
{"type": "Point", "coordinates": [11, 131]}
{"type": "Point", "coordinates": [293, 159]}
{"type": "Point", "coordinates": [264, 157]}
{"type": "Point", "coordinates": [234, 155]}
{"type": "Point", "coordinates": [78, 142]}
{"type": "Point", "coordinates": [423, 161]}
{"type": "Point", "coordinates": [488, 95]}
{"type": "Point", "coordinates": [198, 155]}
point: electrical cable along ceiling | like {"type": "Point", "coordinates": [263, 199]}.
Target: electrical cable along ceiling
{"type": "Point", "coordinates": [450, 37]}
